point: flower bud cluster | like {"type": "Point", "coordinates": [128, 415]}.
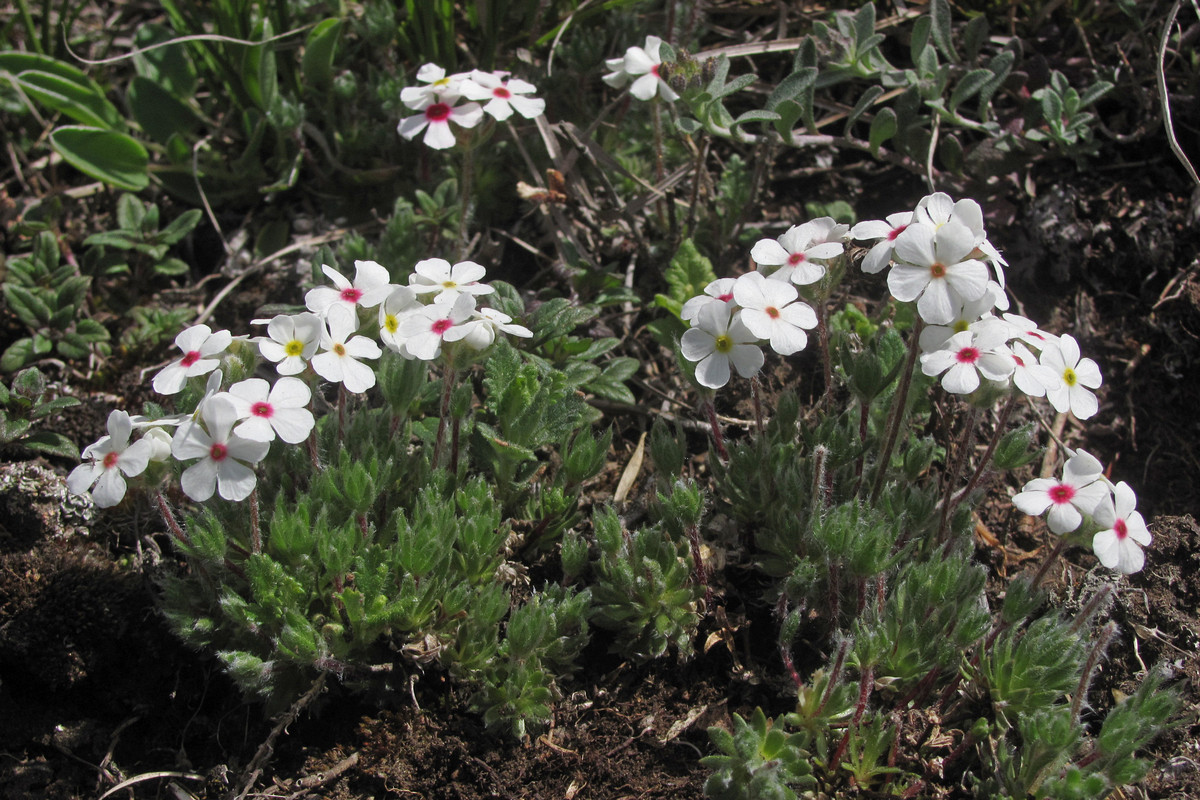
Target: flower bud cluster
{"type": "Point", "coordinates": [231, 430]}
{"type": "Point", "coordinates": [439, 102]}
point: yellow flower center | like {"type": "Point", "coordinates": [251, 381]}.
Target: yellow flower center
{"type": "Point", "coordinates": [723, 343]}
{"type": "Point", "coordinates": [391, 323]}
{"type": "Point", "coordinates": [449, 285]}
{"type": "Point", "coordinates": [1069, 377]}
{"type": "Point", "coordinates": [339, 348]}
{"type": "Point", "coordinates": [960, 326]}
{"type": "Point", "coordinates": [294, 348]}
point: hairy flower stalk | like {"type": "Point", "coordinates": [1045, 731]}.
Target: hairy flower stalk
{"type": "Point", "coordinates": [898, 407]}
{"type": "Point", "coordinates": [448, 378]}
{"type": "Point", "coordinates": [986, 459]}
{"type": "Point", "coordinates": [951, 477]}
{"type": "Point", "coordinates": [1089, 668]}
{"type": "Point", "coordinates": [718, 438]}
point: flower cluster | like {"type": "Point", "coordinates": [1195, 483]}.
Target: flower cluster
{"type": "Point", "coordinates": [639, 68]}
{"type": "Point", "coordinates": [438, 101]}
{"type": "Point", "coordinates": [232, 429]}
{"type": "Point", "coordinates": [1084, 495]}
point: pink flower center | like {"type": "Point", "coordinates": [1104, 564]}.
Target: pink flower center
{"type": "Point", "coordinates": [654, 70]}
{"type": "Point", "coordinates": [894, 232]}
{"type": "Point", "coordinates": [441, 326]}
{"type": "Point", "coordinates": [501, 92]}
{"type": "Point", "coordinates": [967, 355]}
{"type": "Point", "coordinates": [796, 258]}
{"type": "Point", "coordinates": [1020, 361]}
{"type": "Point", "coordinates": [1061, 494]}
{"type": "Point", "coordinates": [351, 295]}
{"type": "Point", "coordinates": [937, 270]}
{"type": "Point", "coordinates": [772, 312]}
{"type": "Point", "coordinates": [111, 459]}
{"type": "Point", "coordinates": [261, 409]}
{"type": "Point", "coordinates": [725, 298]}
{"type": "Point", "coordinates": [218, 452]}
{"type": "Point", "coordinates": [1120, 529]}
{"type": "Point", "coordinates": [190, 358]}
{"type": "Point", "coordinates": [438, 112]}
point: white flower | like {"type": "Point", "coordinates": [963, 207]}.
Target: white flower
{"type": "Point", "coordinates": [437, 112]}
{"type": "Point", "coordinates": [424, 329]}
{"type": "Point", "coordinates": [291, 341]}
{"type": "Point", "coordinates": [109, 461]}
{"type": "Point", "coordinates": [1119, 545]}
{"type": "Point", "coordinates": [885, 231]}
{"type": "Point", "coordinates": [436, 275]}
{"type": "Point", "coordinates": [268, 410]}
{"type": "Point", "coordinates": [503, 96]}
{"type": "Point", "coordinates": [968, 355]}
{"type": "Point", "coordinates": [641, 65]}
{"type": "Point", "coordinates": [438, 86]}
{"type": "Point", "coordinates": [372, 284]}
{"type": "Point", "coordinates": [1030, 377]}
{"type": "Point", "coordinates": [223, 454]}
{"type": "Point", "coordinates": [1028, 332]}
{"type": "Point", "coordinates": [199, 344]}
{"type": "Point", "coordinates": [717, 340]}
{"type": "Point", "coordinates": [479, 333]}
{"type": "Point", "coordinates": [771, 311]}
{"type": "Point", "coordinates": [160, 442]}
{"type": "Point", "coordinates": [933, 268]}
{"type": "Point", "coordinates": [970, 314]}
{"type": "Point", "coordinates": [1079, 492]}
{"type": "Point", "coordinates": [401, 301]}
{"type": "Point", "coordinates": [1078, 376]}
{"type": "Point", "coordinates": [939, 208]}
{"type": "Point", "coordinates": [718, 291]}
{"type": "Point", "coordinates": [794, 252]}
{"type": "Point", "coordinates": [338, 361]}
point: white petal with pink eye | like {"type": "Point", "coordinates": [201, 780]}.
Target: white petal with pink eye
{"type": "Point", "coordinates": [409, 127]}
{"type": "Point", "coordinates": [1034, 499]}
{"type": "Point", "coordinates": [439, 136]}
{"type": "Point", "coordinates": [906, 282]}
{"type": "Point", "coordinates": [769, 252]}
{"type": "Point", "coordinates": [528, 107]}
{"type": "Point", "coordinates": [638, 61]}
{"type": "Point", "coordinates": [644, 87]}
{"type": "Point", "coordinates": [467, 115]}
{"type": "Point", "coordinates": [199, 481]}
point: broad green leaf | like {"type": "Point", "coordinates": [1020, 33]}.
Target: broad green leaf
{"type": "Point", "coordinates": [319, 50]}
{"type": "Point", "coordinates": [159, 112]}
{"type": "Point", "coordinates": [756, 115]}
{"type": "Point", "coordinates": [16, 63]}
{"type": "Point", "coordinates": [130, 213]}
{"type": "Point", "coordinates": [969, 86]}
{"type": "Point", "coordinates": [81, 101]}
{"type": "Point", "coordinates": [168, 67]}
{"type": "Point", "coordinates": [108, 156]}
{"type": "Point", "coordinates": [181, 226]}
{"type": "Point", "coordinates": [32, 310]}
{"type": "Point", "coordinates": [864, 102]}
{"type": "Point", "coordinates": [883, 127]}
{"type": "Point", "coordinates": [52, 407]}
{"type": "Point", "coordinates": [688, 273]}
{"type": "Point", "coordinates": [791, 87]}
{"type": "Point", "coordinates": [171, 266]}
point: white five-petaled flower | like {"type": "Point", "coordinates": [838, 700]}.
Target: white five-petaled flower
{"type": "Point", "coordinates": [718, 339]}
{"type": "Point", "coordinates": [436, 275]}
{"type": "Point", "coordinates": [341, 349]}
{"type": "Point", "coordinates": [794, 252]}
{"type": "Point", "coordinates": [371, 285]}
{"type": "Point", "coordinates": [1119, 545]}
{"type": "Point", "coordinates": [503, 96]}
{"type": "Point", "coordinates": [424, 329]}
{"type": "Point", "coordinates": [437, 112]}
{"type": "Point", "coordinates": [939, 208]}
{"type": "Point", "coordinates": [770, 310]}
{"type": "Point", "coordinates": [885, 232]}
{"type": "Point", "coordinates": [267, 411]}
{"type": "Point", "coordinates": [933, 267]}
{"type": "Point", "coordinates": [291, 341]}
{"type": "Point", "coordinates": [479, 332]}
{"type": "Point", "coordinates": [1079, 375]}
{"type": "Point", "coordinates": [199, 345]}
{"type": "Point", "coordinates": [391, 311]}
{"type": "Point", "coordinates": [641, 65]}
{"type": "Point", "coordinates": [978, 351]}
{"type": "Point", "coordinates": [109, 461]}
{"type": "Point", "coordinates": [970, 314]}
{"type": "Point", "coordinates": [438, 86]}
{"type": "Point", "coordinates": [223, 454]}
{"type": "Point", "coordinates": [1030, 377]}
{"type": "Point", "coordinates": [718, 291]}
{"type": "Point", "coordinates": [1079, 492]}
{"type": "Point", "coordinates": [1028, 332]}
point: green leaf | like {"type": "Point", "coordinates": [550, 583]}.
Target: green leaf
{"type": "Point", "coordinates": [51, 443]}
{"type": "Point", "coordinates": [52, 407]}
{"type": "Point", "coordinates": [17, 355]}
{"type": "Point", "coordinates": [791, 87]}
{"type": "Point", "coordinates": [969, 86]}
{"type": "Point", "coordinates": [91, 330]}
{"type": "Point", "coordinates": [169, 66]}
{"type": "Point", "coordinates": [756, 115]}
{"type": "Point", "coordinates": [943, 36]}
{"type": "Point", "coordinates": [171, 266]}
{"type": "Point", "coordinates": [17, 62]}
{"type": "Point", "coordinates": [688, 273]}
{"type": "Point", "coordinates": [180, 227]}
{"type": "Point", "coordinates": [159, 112]}
{"type": "Point", "coordinates": [864, 102]}
{"type": "Point", "coordinates": [611, 383]}
{"type": "Point", "coordinates": [27, 305]}
{"type": "Point", "coordinates": [108, 156]}
{"type": "Point", "coordinates": [81, 101]}
{"type": "Point", "coordinates": [319, 49]}
{"type": "Point", "coordinates": [883, 127]}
